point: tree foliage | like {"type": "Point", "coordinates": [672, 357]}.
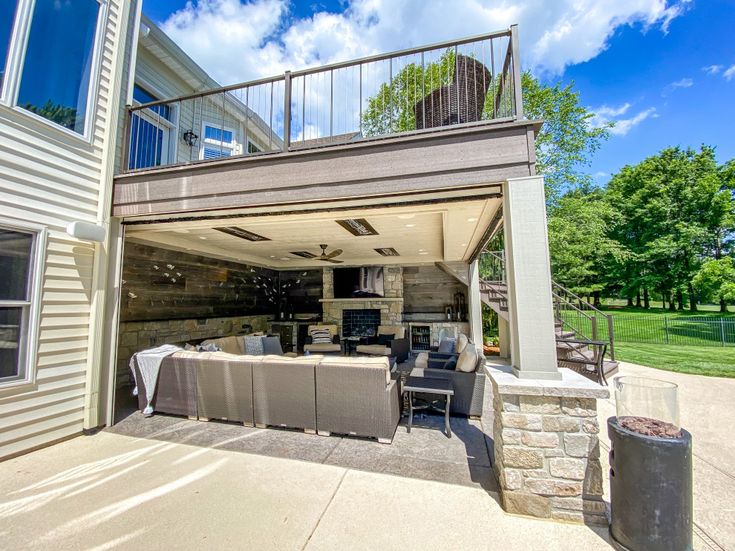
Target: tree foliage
{"type": "Point", "coordinates": [564, 145]}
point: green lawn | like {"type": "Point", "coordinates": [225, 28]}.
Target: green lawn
{"type": "Point", "coordinates": [699, 360]}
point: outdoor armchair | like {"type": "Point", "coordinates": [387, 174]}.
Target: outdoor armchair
{"type": "Point", "coordinates": [394, 343]}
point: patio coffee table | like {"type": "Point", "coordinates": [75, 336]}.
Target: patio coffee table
{"type": "Point", "coordinates": [425, 385]}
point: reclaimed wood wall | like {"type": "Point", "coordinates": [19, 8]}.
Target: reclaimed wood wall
{"type": "Point", "coordinates": [160, 284]}
{"type": "Point", "coordinates": [163, 284]}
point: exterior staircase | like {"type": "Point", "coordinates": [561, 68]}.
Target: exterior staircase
{"type": "Point", "coordinates": [584, 334]}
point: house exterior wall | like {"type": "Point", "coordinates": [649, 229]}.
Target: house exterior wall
{"type": "Point", "coordinates": [52, 178]}
{"type": "Point", "coordinates": [154, 73]}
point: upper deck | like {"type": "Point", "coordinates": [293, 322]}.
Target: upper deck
{"type": "Point", "coordinates": [425, 118]}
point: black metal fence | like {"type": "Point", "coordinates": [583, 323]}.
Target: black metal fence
{"type": "Point", "coordinates": [691, 331]}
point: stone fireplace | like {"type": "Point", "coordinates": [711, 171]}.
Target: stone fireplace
{"type": "Point", "coordinates": [360, 323]}
{"type": "Point", "coordinates": [389, 309]}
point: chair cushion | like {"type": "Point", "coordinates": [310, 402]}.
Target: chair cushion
{"type": "Point", "coordinates": [422, 360]}
{"type": "Point", "coordinates": [398, 331]}
{"type": "Point", "coordinates": [324, 347]}
{"type": "Point", "coordinates": [253, 346]}
{"type": "Point", "coordinates": [467, 361]}
{"type": "Point", "coordinates": [373, 349]}
{"type": "Point", "coordinates": [331, 328]}
{"type": "Point", "coordinates": [462, 341]}
{"type": "Point", "coordinates": [447, 346]}
{"type": "Point", "coordinates": [320, 336]}
{"type": "Point", "coordinates": [272, 345]}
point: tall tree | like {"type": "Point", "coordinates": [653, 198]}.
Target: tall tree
{"type": "Point", "coordinates": [672, 206]}
{"type": "Point", "coordinates": [581, 250]}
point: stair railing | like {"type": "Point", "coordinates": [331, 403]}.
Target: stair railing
{"type": "Point", "coordinates": [582, 317]}
{"type": "Point", "coordinates": [570, 310]}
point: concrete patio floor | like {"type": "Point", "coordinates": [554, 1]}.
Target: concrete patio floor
{"type": "Point", "coordinates": [167, 482]}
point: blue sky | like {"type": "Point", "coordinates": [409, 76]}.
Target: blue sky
{"type": "Point", "coordinates": [638, 62]}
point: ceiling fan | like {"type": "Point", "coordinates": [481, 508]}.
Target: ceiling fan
{"type": "Point", "coordinates": [329, 257]}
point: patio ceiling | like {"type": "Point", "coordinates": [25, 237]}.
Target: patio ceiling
{"type": "Point", "coordinates": [436, 232]}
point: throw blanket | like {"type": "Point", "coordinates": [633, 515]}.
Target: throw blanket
{"type": "Point", "coordinates": [149, 363]}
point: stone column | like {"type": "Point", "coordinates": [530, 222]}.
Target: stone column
{"type": "Point", "coordinates": [528, 274]}
{"type": "Point", "coordinates": [547, 453]}
{"type": "Point", "coordinates": [474, 305]}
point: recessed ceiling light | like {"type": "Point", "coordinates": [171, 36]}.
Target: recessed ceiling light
{"type": "Point", "coordinates": [472, 219]}
{"type": "Point", "coordinates": [285, 258]}
{"type": "Point", "coordinates": [202, 237]}
{"type": "Point", "coordinates": [463, 245]}
{"type": "Point", "coordinates": [410, 225]}
{"type": "Point", "coordinates": [272, 256]}
{"type": "Point", "coordinates": [406, 216]}
{"type": "Point", "coordinates": [423, 252]}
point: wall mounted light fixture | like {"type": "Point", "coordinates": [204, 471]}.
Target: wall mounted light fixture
{"type": "Point", "coordinates": [190, 138]}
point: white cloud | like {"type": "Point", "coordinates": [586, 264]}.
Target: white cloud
{"type": "Point", "coordinates": [605, 115]}
{"type": "Point", "coordinates": [237, 41]}
{"type": "Point", "coordinates": [683, 83]}
{"type": "Point", "coordinates": [729, 72]}
{"type": "Point", "coordinates": [712, 69]}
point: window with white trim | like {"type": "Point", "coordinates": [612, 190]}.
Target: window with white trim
{"type": "Point", "coordinates": [20, 263]}
{"type": "Point", "coordinates": [218, 142]}
{"type": "Point", "coordinates": [48, 56]}
{"type": "Point", "coordinates": [152, 132]}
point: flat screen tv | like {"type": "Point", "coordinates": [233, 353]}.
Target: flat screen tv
{"type": "Point", "coordinates": [365, 282]}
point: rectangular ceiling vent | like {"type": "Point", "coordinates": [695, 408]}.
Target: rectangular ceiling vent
{"type": "Point", "coordinates": [242, 234]}
{"type": "Point", "coordinates": [387, 251]}
{"type": "Point", "coordinates": [357, 226]}
{"type": "Point", "coordinates": [303, 254]}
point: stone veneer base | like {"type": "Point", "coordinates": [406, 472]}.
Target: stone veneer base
{"type": "Point", "coordinates": [547, 453]}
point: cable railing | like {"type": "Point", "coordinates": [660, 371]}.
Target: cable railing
{"type": "Point", "coordinates": [462, 82]}
{"type": "Point", "coordinates": [576, 314]}
{"type": "Point", "coordinates": [571, 312]}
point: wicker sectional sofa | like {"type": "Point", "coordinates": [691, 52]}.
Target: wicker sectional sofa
{"type": "Point", "coordinates": [356, 396]}
{"type": "Point", "coordinates": [469, 388]}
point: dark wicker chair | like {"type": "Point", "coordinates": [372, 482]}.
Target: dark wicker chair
{"type": "Point", "coordinates": [459, 102]}
{"type": "Point", "coordinates": [469, 388]}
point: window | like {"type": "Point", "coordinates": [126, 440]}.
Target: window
{"type": "Point", "coordinates": [54, 80]}
{"type": "Point", "coordinates": [7, 17]}
{"type": "Point", "coordinates": [150, 132]}
{"type": "Point", "coordinates": [218, 142]}
{"type": "Point", "coordinates": [19, 264]}
{"type": "Point", "coordinates": [252, 148]}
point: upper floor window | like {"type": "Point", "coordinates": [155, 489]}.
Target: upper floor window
{"type": "Point", "coordinates": [57, 66]}
{"type": "Point", "coordinates": [7, 17]}
{"type": "Point", "coordinates": [152, 132]}
{"type": "Point", "coordinates": [218, 142]}
{"type": "Point", "coordinates": [19, 263]}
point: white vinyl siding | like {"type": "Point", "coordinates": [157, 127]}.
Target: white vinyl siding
{"type": "Point", "coordinates": [53, 178]}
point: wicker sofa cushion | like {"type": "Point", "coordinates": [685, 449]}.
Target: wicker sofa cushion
{"type": "Point", "coordinates": [467, 361]}
{"type": "Point", "coordinates": [373, 349]}
{"type": "Point", "coordinates": [364, 362]}
{"type": "Point", "coordinates": [330, 347]}
{"type": "Point", "coordinates": [462, 342]}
